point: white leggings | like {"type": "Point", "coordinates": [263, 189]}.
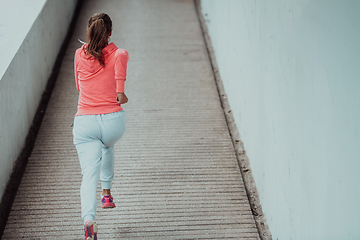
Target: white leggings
{"type": "Point", "coordinates": [94, 138]}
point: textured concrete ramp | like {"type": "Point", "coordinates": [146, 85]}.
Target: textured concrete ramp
{"type": "Point", "coordinates": [176, 170]}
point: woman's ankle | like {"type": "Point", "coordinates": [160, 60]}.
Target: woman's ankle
{"type": "Point", "coordinates": [106, 192]}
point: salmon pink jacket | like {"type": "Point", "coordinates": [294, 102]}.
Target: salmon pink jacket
{"type": "Point", "coordinates": [98, 86]}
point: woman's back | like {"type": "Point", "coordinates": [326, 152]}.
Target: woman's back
{"type": "Point", "coordinates": [99, 85]}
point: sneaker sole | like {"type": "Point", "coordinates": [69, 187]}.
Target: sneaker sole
{"type": "Point", "coordinates": [109, 206]}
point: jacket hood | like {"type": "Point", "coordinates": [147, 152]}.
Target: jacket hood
{"type": "Point", "coordinates": [92, 64]}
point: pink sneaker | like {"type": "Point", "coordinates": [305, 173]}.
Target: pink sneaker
{"type": "Point", "coordinates": [90, 230]}
{"type": "Point", "coordinates": [107, 201]}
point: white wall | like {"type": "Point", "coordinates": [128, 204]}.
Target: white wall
{"type": "Point", "coordinates": [31, 34]}
{"type": "Point", "coordinates": [291, 71]}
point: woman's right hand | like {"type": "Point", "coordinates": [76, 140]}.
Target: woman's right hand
{"type": "Point", "coordinates": [121, 98]}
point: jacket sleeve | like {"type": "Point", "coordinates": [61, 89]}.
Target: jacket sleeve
{"type": "Point", "coordinates": [121, 60]}
{"type": "Point", "coordinates": [75, 69]}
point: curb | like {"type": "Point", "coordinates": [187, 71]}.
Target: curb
{"type": "Point", "coordinates": [239, 148]}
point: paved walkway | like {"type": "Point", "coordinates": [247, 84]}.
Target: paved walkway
{"type": "Point", "coordinates": [176, 172]}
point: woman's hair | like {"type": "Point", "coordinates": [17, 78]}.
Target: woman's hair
{"type": "Point", "coordinates": [98, 31]}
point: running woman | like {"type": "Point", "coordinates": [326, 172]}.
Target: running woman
{"type": "Point", "coordinates": [100, 74]}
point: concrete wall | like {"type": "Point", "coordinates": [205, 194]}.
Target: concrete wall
{"type": "Point", "coordinates": [291, 71]}
{"type": "Point", "coordinates": [31, 34]}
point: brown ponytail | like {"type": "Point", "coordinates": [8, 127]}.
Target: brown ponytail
{"type": "Point", "coordinates": [98, 31]}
